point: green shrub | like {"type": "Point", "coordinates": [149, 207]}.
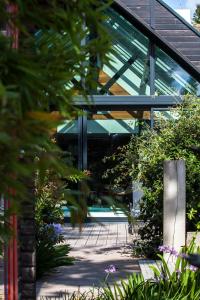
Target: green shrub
{"type": "Point", "coordinates": [49, 254]}
{"type": "Point", "coordinates": [49, 216]}
{"type": "Point", "coordinates": [49, 198]}
{"type": "Point", "coordinates": [142, 160]}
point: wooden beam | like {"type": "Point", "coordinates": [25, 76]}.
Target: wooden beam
{"type": "Point", "coordinates": [115, 89]}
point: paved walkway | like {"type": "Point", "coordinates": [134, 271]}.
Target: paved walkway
{"type": "Point", "coordinates": [95, 248]}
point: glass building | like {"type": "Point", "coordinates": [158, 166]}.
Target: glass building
{"type": "Point", "coordinates": [154, 62]}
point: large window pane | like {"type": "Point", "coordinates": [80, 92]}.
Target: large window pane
{"type": "Point", "coordinates": [67, 139]}
{"type": "Point", "coordinates": [106, 131]}
{"type": "Point", "coordinates": [171, 79]}
{"type": "Point", "coordinates": [128, 71]}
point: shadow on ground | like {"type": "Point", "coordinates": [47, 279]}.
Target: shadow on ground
{"type": "Point", "coordinates": [89, 270]}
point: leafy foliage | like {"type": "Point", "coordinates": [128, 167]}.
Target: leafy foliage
{"type": "Point", "coordinates": [167, 286]}
{"type": "Point", "coordinates": [142, 160]}
{"type": "Point", "coordinates": [49, 254]}
{"type": "Point", "coordinates": [48, 210]}
{"type": "Point", "coordinates": [44, 74]}
{"type": "Point", "coordinates": [49, 199]}
{"type": "Point", "coordinates": [196, 17]}
{"type": "Point", "coordinates": [183, 281]}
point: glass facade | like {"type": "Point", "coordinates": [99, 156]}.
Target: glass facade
{"type": "Point", "coordinates": [106, 130]}
{"type": "Point", "coordinates": [100, 136]}
{"type": "Point", "coordinates": [128, 71]}
{"type": "Point", "coordinates": [67, 139]}
{"type": "Point", "coordinates": [171, 78]}
{"type": "Point", "coordinates": [137, 67]}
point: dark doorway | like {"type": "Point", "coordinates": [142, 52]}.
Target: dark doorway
{"type": "Point", "coordinates": [94, 136]}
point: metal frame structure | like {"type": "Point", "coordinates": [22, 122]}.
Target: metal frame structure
{"type": "Point", "coordinates": [124, 102]}
{"type": "Point", "coordinates": [111, 103]}
{"type": "Point", "coordinates": [155, 40]}
{"type": "Point", "coordinates": [143, 102]}
{"type": "Point", "coordinates": [155, 37]}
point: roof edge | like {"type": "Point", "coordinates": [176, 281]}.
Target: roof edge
{"type": "Point", "coordinates": [179, 17]}
{"type": "Point", "coordinates": [157, 38]}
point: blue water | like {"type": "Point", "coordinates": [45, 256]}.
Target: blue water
{"type": "Point", "coordinates": [92, 209]}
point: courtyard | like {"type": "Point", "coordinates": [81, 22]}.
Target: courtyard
{"type": "Point", "coordinates": [95, 248]}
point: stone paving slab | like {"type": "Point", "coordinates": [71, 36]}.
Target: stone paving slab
{"type": "Point", "coordinates": [147, 272]}
{"type": "Point", "coordinates": [145, 266]}
{"type": "Point", "coordinates": [97, 247]}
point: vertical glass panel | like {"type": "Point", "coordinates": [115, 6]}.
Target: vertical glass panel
{"type": "Point", "coordinates": [67, 139]}
{"type": "Point", "coordinates": [128, 71]}
{"type": "Point", "coordinates": [171, 79]}
{"type": "Point", "coordinates": [106, 131]}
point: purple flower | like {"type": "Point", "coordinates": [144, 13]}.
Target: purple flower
{"type": "Point", "coordinates": [174, 252]}
{"type": "Point", "coordinates": [57, 228]}
{"type": "Point", "coordinates": [167, 249]}
{"type": "Point", "coordinates": [110, 269]}
{"type": "Point", "coordinates": [54, 231]}
{"type": "Point", "coordinates": [193, 268]}
{"type": "Point", "coordinates": [183, 255]}
{"type": "Point", "coordinates": [162, 248]}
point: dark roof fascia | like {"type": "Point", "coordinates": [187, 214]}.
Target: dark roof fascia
{"type": "Point", "coordinates": [179, 17]}
{"type": "Point", "coordinates": [156, 38]}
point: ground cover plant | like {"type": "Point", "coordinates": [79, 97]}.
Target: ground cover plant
{"type": "Point", "coordinates": [142, 161]}
{"type": "Point", "coordinates": [182, 282]}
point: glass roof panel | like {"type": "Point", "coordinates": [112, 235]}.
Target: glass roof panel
{"type": "Point", "coordinates": [128, 71]}
{"type": "Point", "coordinates": [171, 78]}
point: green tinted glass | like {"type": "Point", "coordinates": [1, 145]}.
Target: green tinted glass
{"type": "Point", "coordinates": [128, 71]}
{"type": "Point", "coordinates": [171, 79]}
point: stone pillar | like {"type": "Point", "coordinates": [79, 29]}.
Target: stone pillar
{"type": "Point", "coordinates": [174, 206]}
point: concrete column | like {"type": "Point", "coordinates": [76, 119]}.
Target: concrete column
{"type": "Point", "coordinates": [174, 206]}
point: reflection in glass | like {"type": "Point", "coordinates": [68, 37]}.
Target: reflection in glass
{"type": "Point", "coordinates": [128, 71]}
{"type": "Point", "coordinates": [67, 139]}
{"type": "Point", "coordinates": [171, 79]}
{"type": "Point", "coordinates": [106, 131]}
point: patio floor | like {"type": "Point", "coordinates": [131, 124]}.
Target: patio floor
{"type": "Point", "coordinates": [95, 248]}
